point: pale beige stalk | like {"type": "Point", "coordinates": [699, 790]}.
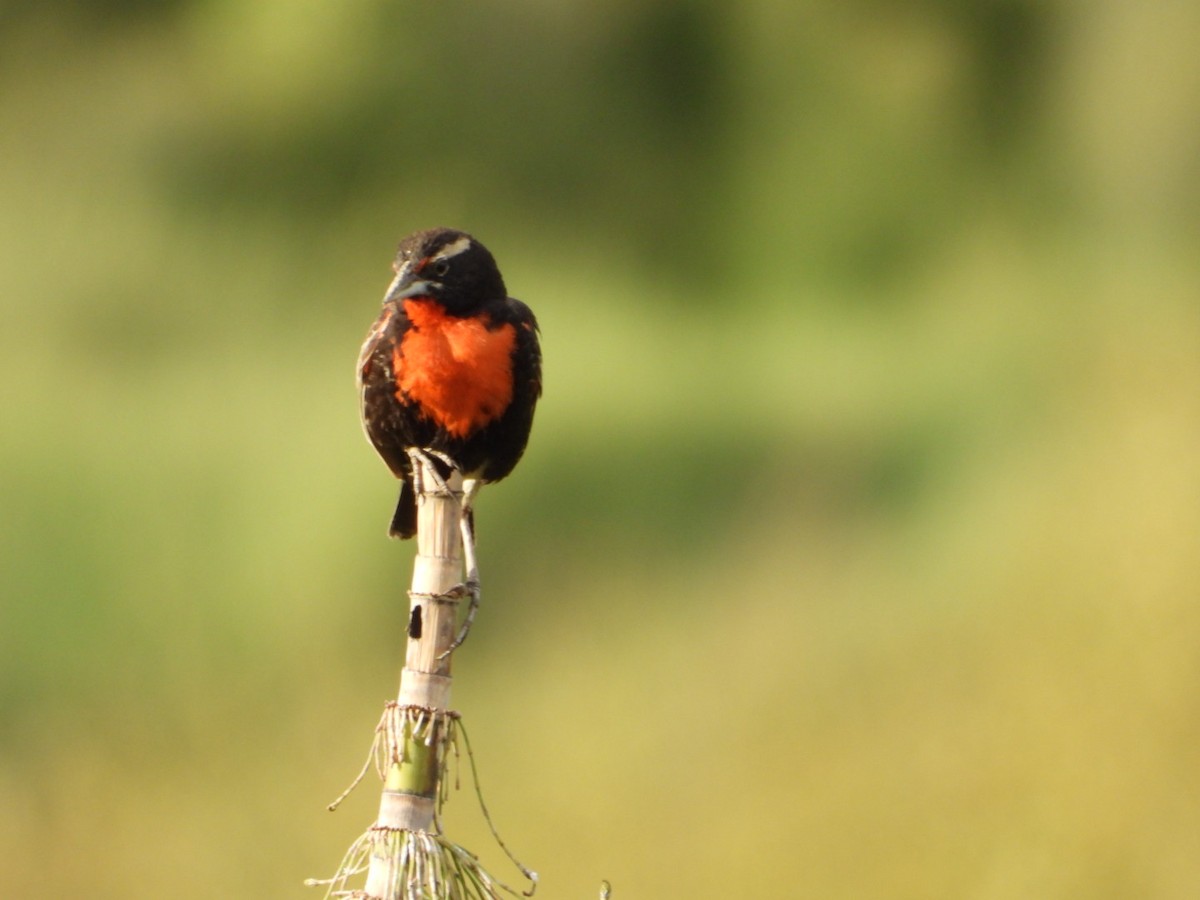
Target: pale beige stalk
{"type": "Point", "coordinates": [410, 789]}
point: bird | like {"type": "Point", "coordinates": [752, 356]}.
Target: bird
{"type": "Point", "coordinates": [451, 370]}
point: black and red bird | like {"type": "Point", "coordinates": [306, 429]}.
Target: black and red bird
{"type": "Point", "coordinates": [451, 365]}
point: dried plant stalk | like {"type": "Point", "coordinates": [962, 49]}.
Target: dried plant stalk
{"type": "Point", "coordinates": [404, 854]}
{"type": "Point", "coordinates": [410, 790]}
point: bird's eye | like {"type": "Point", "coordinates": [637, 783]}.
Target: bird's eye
{"type": "Point", "coordinates": [441, 268]}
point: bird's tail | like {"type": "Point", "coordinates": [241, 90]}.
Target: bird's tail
{"type": "Point", "coordinates": [404, 521]}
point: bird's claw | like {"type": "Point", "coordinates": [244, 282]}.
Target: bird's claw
{"type": "Point", "coordinates": [470, 589]}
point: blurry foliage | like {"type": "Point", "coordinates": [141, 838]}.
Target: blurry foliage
{"type": "Point", "coordinates": [872, 379]}
{"type": "Point", "coordinates": [622, 122]}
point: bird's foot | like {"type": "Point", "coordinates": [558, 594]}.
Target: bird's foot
{"type": "Point", "coordinates": [469, 589]}
{"type": "Point", "coordinates": [421, 459]}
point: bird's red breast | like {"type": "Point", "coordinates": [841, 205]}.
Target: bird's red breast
{"type": "Point", "coordinates": [458, 370]}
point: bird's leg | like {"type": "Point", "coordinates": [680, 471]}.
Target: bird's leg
{"type": "Point", "coordinates": [471, 586]}
{"type": "Point", "coordinates": [421, 464]}
{"type": "Point", "coordinates": [471, 488]}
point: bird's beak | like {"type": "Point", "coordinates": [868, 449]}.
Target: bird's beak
{"type": "Point", "coordinates": [406, 284]}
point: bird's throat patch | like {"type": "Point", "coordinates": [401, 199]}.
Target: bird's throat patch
{"type": "Point", "coordinates": [458, 370]}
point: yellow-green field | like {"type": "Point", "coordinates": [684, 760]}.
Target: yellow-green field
{"type": "Point", "coordinates": [857, 549]}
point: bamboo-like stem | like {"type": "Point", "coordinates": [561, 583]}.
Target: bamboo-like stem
{"type": "Point", "coordinates": [404, 854]}
{"type": "Point", "coordinates": [410, 791]}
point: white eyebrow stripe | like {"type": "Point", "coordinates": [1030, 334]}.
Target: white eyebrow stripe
{"type": "Point", "coordinates": [462, 245]}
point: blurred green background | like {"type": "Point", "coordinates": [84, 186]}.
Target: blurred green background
{"type": "Point", "coordinates": [855, 553]}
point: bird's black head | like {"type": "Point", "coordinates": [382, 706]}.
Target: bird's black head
{"type": "Point", "coordinates": [448, 266]}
